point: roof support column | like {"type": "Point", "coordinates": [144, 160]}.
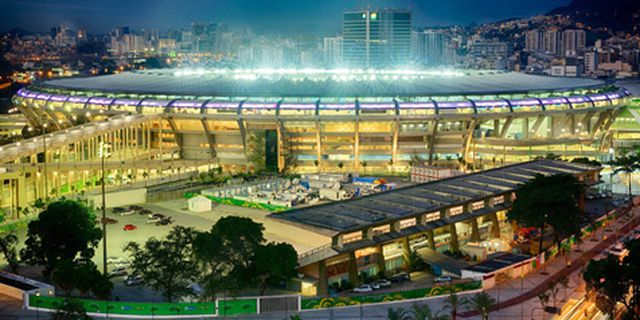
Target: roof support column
{"type": "Point", "coordinates": [495, 225]}
{"type": "Point", "coordinates": [432, 141]}
{"type": "Point", "coordinates": [319, 145]}
{"type": "Point", "coordinates": [353, 269]}
{"type": "Point", "coordinates": [406, 253]}
{"type": "Point", "coordinates": [382, 266]}
{"type": "Point", "coordinates": [356, 146]}
{"type": "Point", "coordinates": [394, 144]}
{"type": "Point", "coordinates": [454, 244]}
{"type": "Point", "coordinates": [323, 284]}
{"type": "Point", "coordinates": [475, 232]}
{"type": "Point", "coordinates": [431, 239]}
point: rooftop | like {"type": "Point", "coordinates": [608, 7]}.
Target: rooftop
{"type": "Point", "coordinates": [318, 83]}
{"type": "Point", "coordinates": [385, 207]}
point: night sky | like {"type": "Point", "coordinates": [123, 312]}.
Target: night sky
{"type": "Point", "coordinates": [271, 16]}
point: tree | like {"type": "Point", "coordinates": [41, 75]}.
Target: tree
{"type": "Point", "coordinates": [225, 254]}
{"type": "Point", "coordinates": [626, 164]}
{"type": "Point", "coordinates": [317, 164]}
{"type": "Point", "coordinates": [482, 303]}
{"type": "Point", "coordinates": [166, 264]}
{"type": "Point", "coordinates": [340, 166]}
{"type": "Point", "coordinates": [257, 150]}
{"type": "Point", "coordinates": [364, 165]}
{"type": "Point", "coordinates": [614, 281]}
{"type": "Point", "coordinates": [454, 304]}
{"type": "Point", "coordinates": [587, 161]}
{"type": "Point", "coordinates": [66, 230]}
{"type": "Point", "coordinates": [550, 201]}
{"type": "Point", "coordinates": [423, 312]}
{"type": "Point", "coordinates": [83, 276]}
{"type": "Point", "coordinates": [8, 243]}
{"type": "Point", "coordinates": [397, 314]}
{"type": "Point", "coordinates": [70, 310]}
{"type": "Point", "coordinates": [274, 263]}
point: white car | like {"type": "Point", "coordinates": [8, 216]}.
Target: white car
{"type": "Point", "coordinates": [132, 280]}
{"type": "Point", "coordinates": [116, 260]}
{"type": "Point", "coordinates": [117, 272]}
{"type": "Point", "coordinates": [363, 288]}
{"type": "Point", "coordinates": [381, 283]}
{"type": "Point", "coordinates": [443, 279]}
{"type": "Point", "coordinates": [618, 250]}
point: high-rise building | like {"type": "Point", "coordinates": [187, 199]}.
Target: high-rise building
{"type": "Point", "coordinates": [590, 62]}
{"type": "Point", "coordinates": [332, 47]}
{"type": "Point", "coordinates": [552, 42]}
{"type": "Point", "coordinates": [573, 41]}
{"type": "Point", "coordinates": [376, 38]}
{"type": "Point", "coordinates": [534, 41]}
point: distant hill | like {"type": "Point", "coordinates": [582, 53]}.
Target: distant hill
{"type": "Point", "coordinates": [617, 15]}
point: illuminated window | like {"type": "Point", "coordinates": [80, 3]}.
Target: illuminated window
{"type": "Point", "coordinates": [434, 216]}
{"type": "Point", "coordinates": [498, 200]}
{"type": "Point", "coordinates": [374, 16]}
{"type": "Point", "coordinates": [477, 205]}
{"type": "Point", "coordinates": [407, 223]}
{"type": "Point", "coordinates": [381, 230]}
{"type": "Point", "coordinates": [351, 237]}
{"type": "Point", "coordinates": [456, 211]}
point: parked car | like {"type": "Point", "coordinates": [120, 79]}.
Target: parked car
{"type": "Point", "coordinates": [618, 250]}
{"type": "Point", "coordinates": [363, 288]}
{"type": "Point", "coordinates": [107, 220]}
{"type": "Point", "coordinates": [118, 272]}
{"type": "Point", "coordinates": [114, 260]}
{"type": "Point", "coordinates": [145, 212]}
{"type": "Point", "coordinates": [381, 284]}
{"type": "Point", "coordinates": [400, 277]}
{"type": "Point", "coordinates": [133, 280]}
{"type": "Point", "coordinates": [164, 221]}
{"type": "Point", "coordinates": [156, 215]}
{"type": "Point", "coordinates": [443, 279]}
{"type": "Point", "coordinates": [129, 227]}
{"type": "Point", "coordinates": [136, 208]}
{"type": "Point", "coordinates": [123, 211]}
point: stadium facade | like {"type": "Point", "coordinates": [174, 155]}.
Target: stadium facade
{"type": "Point", "coordinates": [346, 120]}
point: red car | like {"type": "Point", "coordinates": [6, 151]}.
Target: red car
{"type": "Point", "coordinates": [129, 227]}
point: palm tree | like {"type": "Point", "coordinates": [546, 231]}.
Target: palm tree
{"type": "Point", "coordinates": [317, 164]}
{"type": "Point", "coordinates": [423, 312]}
{"type": "Point", "coordinates": [390, 164]}
{"type": "Point", "coordinates": [482, 303]}
{"type": "Point", "coordinates": [397, 314]}
{"type": "Point", "coordinates": [340, 165]}
{"type": "Point", "coordinates": [364, 165]}
{"type": "Point", "coordinates": [453, 303]}
{"type": "Point", "coordinates": [627, 164]}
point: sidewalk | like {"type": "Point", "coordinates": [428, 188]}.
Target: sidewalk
{"type": "Point", "coordinates": [512, 296]}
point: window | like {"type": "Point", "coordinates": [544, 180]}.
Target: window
{"type": "Point", "coordinates": [351, 237]}
{"type": "Point", "coordinates": [433, 216]}
{"type": "Point", "coordinates": [477, 205]}
{"type": "Point", "coordinates": [407, 223]}
{"type": "Point", "coordinates": [381, 230]}
{"type": "Point", "coordinates": [456, 211]}
{"type": "Point", "coordinates": [498, 200]}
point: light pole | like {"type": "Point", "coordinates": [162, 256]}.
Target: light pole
{"type": "Point", "coordinates": [103, 153]}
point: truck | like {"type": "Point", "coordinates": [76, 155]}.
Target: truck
{"type": "Point", "coordinates": [333, 194]}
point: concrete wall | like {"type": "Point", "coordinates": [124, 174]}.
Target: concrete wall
{"type": "Point", "coordinates": [119, 198]}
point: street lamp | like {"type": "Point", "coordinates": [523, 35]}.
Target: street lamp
{"type": "Point", "coordinates": [103, 152]}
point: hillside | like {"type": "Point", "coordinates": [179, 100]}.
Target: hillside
{"type": "Point", "coordinates": [617, 15]}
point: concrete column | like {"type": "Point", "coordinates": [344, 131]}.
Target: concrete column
{"type": "Point", "coordinates": [353, 269]}
{"type": "Point", "coordinates": [431, 239]}
{"type": "Point", "coordinates": [495, 225]}
{"type": "Point", "coordinates": [382, 266]}
{"type": "Point", "coordinates": [406, 252]}
{"type": "Point", "coordinates": [475, 232]}
{"type": "Point", "coordinates": [454, 244]}
{"type": "Point", "coordinates": [323, 284]}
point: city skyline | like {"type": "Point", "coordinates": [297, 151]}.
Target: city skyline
{"type": "Point", "coordinates": [266, 16]}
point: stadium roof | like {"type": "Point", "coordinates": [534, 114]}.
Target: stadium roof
{"type": "Point", "coordinates": [378, 84]}
{"type": "Point", "coordinates": [387, 207]}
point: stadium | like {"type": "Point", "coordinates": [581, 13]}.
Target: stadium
{"type": "Point", "coordinates": [344, 119]}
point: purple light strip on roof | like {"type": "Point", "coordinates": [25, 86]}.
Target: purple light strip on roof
{"type": "Point", "coordinates": [577, 99]}
{"type": "Point", "coordinates": [525, 102]}
{"type": "Point", "coordinates": [126, 102]}
{"type": "Point", "coordinates": [78, 99]}
{"type": "Point", "coordinates": [496, 103]}
{"type": "Point", "coordinates": [58, 98]}
{"type": "Point", "coordinates": [32, 95]}
{"type": "Point", "coordinates": [454, 105]}
{"type": "Point", "coordinates": [377, 106]}
{"type": "Point", "coordinates": [335, 106]}
{"type": "Point", "coordinates": [43, 96]}
{"type": "Point", "coordinates": [251, 105]}
{"type": "Point", "coordinates": [222, 105]}
{"type": "Point", "coordinates": [553, 101]}
{"type": "Point", "coordinates": [187, 104]}
{"type": "Point", "coordinates": [298, 106]}
{"type": "Point", "coordinates": [102, 101]}
{"type": "Point", "coordinates": [155, 103]}
{"type": "Point", "coordinates": [23, 92]}
{"type": "Point", "coordinates": [426, 105]}
{"type": "Point", "coordinates": [598, 97]}
{"type": "Point", "coordinates": [613, 95]}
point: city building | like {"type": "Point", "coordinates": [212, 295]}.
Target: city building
{"type": "Point", "coordinates": [573, 42]}
{"type": "Point", "coordinates": [552, 42]}
{"type": "Point", "coordinates": [429, 47]}
{"type": "Point", "coordinates": [534, 41]}
{"type": "Point", "coordinates": [376, 38]}
{"type": "Point", "coordinates": [332, 49]}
